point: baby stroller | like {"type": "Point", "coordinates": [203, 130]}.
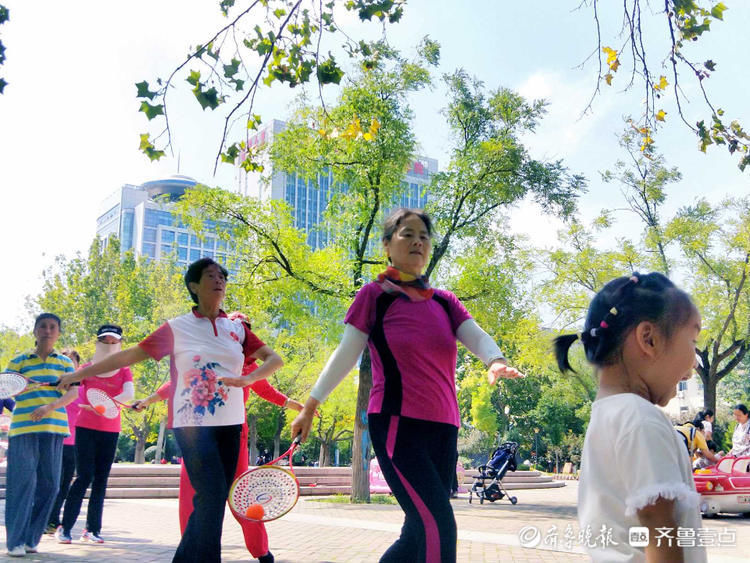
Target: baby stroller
{"type": "Point", "coordinates": [502, 460]}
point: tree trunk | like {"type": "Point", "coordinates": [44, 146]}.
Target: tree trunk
{"type": "Point", "coordinates": [140, 443]}
{"type": "Point", "coordinates": [325, 454]}
{"type": "Point", "coordinates": [277, 436]}
{"type": "Point", "coordinates": [252, 437]}
{"type": "Point", "coordinates": [361, 443]}
{"type": "Point", "coordinates": [709, 392]}
{"type": "Point", "coordinates": [160, 440]}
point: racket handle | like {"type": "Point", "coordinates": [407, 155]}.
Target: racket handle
{"type": "Point", "coordinates": [297, 439]}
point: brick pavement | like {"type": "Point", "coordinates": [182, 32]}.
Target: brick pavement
{"type": "Point", "coordinates": [147, 530]}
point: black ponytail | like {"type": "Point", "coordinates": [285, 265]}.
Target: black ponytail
{"type": "Point", "coordinates": [562, 346]}
{"type": "Point", "coordinates": [618, 308]}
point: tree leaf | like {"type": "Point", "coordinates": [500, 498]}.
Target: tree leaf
{"type": "Point", "coordinates": [660, 115]}
{"type": "Point", "coordinates": [144, 92]}
{"type": "Point", "coordinates": [718, 11]}
{"type": "Point", "coordinates": [151, 111]}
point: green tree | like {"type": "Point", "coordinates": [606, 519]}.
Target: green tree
{"type": "Point", "coordinates": [643, 184]}
{"type": "Point", "coordinates": [12, 344]}
{"type": "Point", "coordinates": [715, 241]}
{"type": "Point", "coordinates": [137, 294]}
{"type": "Point", "coordinates": [366, 142]}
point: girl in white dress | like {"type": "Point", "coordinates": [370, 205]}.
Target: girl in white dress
{"type": "Point", "coordinates": [640, 335]}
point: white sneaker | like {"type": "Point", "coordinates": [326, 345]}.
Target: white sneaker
{"type": "Point", "coordinates": [17, 551]}
{"type": "Point", "coordinates": [90, 536]}
{"type": "Point", "coordinates": [31, 548]}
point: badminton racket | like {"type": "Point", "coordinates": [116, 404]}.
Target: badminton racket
{"type": "Point", "coordinates": [13, 383]}
{"type": "Point", "coordinates": [104, 404]}
{"type": "Point", "coordinates": [266, 492]}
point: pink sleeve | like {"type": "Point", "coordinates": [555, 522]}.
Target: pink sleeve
{"type": "Point", "coordinates": [458, 312]}
{"type": "Point", "coordinates": [164, 390]}
{"type": "Point", "coordinates": [159, 343]}
{"type": "Point", "coordinates": [126, 374]}
{"type": "Point", "coordinates": [266, 391]}
{"type": "Point", "coordinates": [361, 313]}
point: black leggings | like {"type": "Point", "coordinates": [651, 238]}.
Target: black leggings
{"type": "Point", "coordinates": [66, 476]}
{"type": "Point", "coordinates": [95, 452]}
{"type": "Point", "coordinates": [418, 460]}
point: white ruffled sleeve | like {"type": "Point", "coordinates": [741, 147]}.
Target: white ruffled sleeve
{"type": "Point", "coordinates": [650, 462]}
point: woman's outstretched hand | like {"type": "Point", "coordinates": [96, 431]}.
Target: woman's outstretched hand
{"type": "Point", "coordinates": [499, 369]}
{"type": "Point", "coordinates": [303, 422]}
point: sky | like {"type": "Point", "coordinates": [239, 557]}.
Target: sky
{"type": "Point", "coordinates": [69, 125]}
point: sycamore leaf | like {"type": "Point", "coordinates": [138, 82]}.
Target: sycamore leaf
{"type": "Point", "coordinates": [662, 84]}
{"type": "Point", "coordinates": [718, 11]}
{"type": "Point", "coordinates": [194, 77]}
{"type": "Point", "coordinates": [660, 115]}
{"type": "Point", "coordinates": [144, 92]}
{"type": "Point", "coordinates": [151, 111]}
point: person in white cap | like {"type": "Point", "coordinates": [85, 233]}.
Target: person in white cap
{"type": "Point", "coordinates": [96, 440]}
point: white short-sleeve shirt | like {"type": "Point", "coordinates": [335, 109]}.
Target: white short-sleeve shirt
{"type": "Point", "coordinates": [201, 352]}
{"type": "Point", "coordinates": [631, 457]}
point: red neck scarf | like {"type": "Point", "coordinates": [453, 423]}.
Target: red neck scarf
{"type": "Point", "coordinates": [408, 285]}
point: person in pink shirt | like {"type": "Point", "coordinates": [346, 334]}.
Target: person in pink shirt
{"type": "Point", "coordinates": [411, 331]}
{"type": "Point", "coordinates": [96, 440]}
{"type": "Point", "coordinates": [69, 452]}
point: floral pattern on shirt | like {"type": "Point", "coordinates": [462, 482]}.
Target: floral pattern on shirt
{"type": "Point", "coordinates": [203, 392]}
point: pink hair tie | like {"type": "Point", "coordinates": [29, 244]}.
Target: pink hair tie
{"type": "Point", "coordinates": [603, 324]}
{"type": "Point", "coordinates": [634, 279]}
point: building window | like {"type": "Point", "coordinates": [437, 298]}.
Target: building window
{"type": "Point", "coordinates": [682, 386]}
{"type": "Point", "coordinates": [127, 230]}
{"type": "Point", "coordinates": [167, 236]}
{"type": "Point", "coordinates": [149, 235]}
{"type": "Point", "coordinates": [149, 249]}
{"type": "Point", "coordinates": [182, 239]}
{"type": "Point", "coordinates": [166, 250]}
{"type": "Point", "coordinates": [194, 241]}
{"type": "Point", "coordinates": [195, 255]}
{"type": "Point", "coordinates": [291, 182]}
{"type": "Point", "coordinates": [182, 253]}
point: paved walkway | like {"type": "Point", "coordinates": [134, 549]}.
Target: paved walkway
{"type": "Point", "coordinates": [147, 530]}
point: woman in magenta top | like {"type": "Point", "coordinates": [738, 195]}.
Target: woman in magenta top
{"type": "Point", "coordinates": [411, 331]}
{"type": "Point", "coordinates": [96, 440]}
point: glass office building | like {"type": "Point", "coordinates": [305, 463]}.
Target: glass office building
{"type": "Point", "coordinates": [143, 218]}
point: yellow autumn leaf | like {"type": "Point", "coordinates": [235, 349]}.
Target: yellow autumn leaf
{"type": "Point", "coordinates": [643, 130]}
{"type": "Point", "coordinates": [660, 115]}
{"type": "Point", "coordinates": [611, 54]}
{"type": "Point", "coordinates": [662, 84]}
{"type": "Point", "coordinates": [615, 65]}
{"type": "Point", "coordinates": [374, 126]}
{"type": "Point", "coordinates": [322, 132]}
{"type": "Point", "coordinates": [608, 77]}
{"type": "Point", "coordinates": [368, 136]}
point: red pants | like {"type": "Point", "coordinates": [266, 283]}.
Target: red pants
{"type": "Point", "coordinates": [256, 538]}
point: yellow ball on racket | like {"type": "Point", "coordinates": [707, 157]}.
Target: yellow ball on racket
{"type": "Point", "coordinates": [255, 512]}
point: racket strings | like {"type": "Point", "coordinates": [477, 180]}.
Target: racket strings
{"type": "Point", "coordinates": [98, 399]}
{"type": "Point", "coordinates": [11, 384]}
{"type": "Point", "coordinates": [272, 487]}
